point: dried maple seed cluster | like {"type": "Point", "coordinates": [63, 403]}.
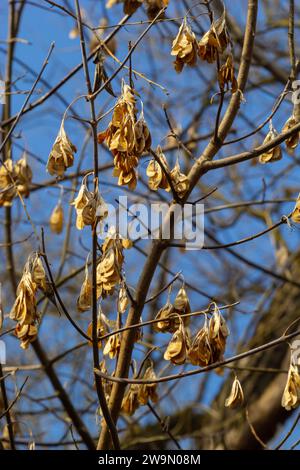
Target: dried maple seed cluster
{"type": "Point", "coordinates": [178, 347]}
{"type": "Point", "coordinates": [126, 137]}
{"type": "Point", "coordinates": [208, 345]}
{"type": "Point", "coordinates": [215, 41]}
{"type": "Point", "coordinates": [130, 6]}
{"type": "Point", "coordinates": [62, 154]}
{"type": "Point", "coordinates": [291, 395]}
{"type": "Point", "coordinates": [112, 346]}
{"type": "Point", "coordinates": [101, 329]}
{"type": "Point", "coordinates": [90, 207]}
{"type": "Point", "coordinates": [158, 179]}
{"type": "Point", "coordinates": [236, 396]}
{"type": "Point", "coordinates": [109, 268]}
{"type": "Point", "coordinates": [15, 178]}
{"type": "Point", "coordinates": [273, 154]}
{"type": "Point", "coordinates": [292, 141]}
{"type": "Point", "coordinates": [139, 394]}
{"type": "Point", "coordinates": [184, 47]}
{"type": "Point", "coordinates": [169, 314]}
{"type": "Point", "coordinates": [226, 77]}
{"type": "Point", "coordinates": [179, 180]}
{"type": "Point", "coordinates": [24, 310]}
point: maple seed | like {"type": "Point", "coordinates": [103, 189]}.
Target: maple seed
{"type": "Point", "coordinates": [214, 41]}
{"type": "Point", "coordinates": [56, 221]}
{"type": "Point", "coordinates": [127, 138]}
{"type": "Point", "coordinates": [200, 353]}
{"type": "Point", "coordinates": [157, 177]}
{"type": "Point", "coordinates": [14, 179]}
{"type": "Point", "coordinates": [236, 397]}
{"type": "Point", "coordinates": [24, 309]}
{"type": "Point", "coordinates": [292, 141]}
{"type": "Point", "coordinates": [90, 207]}
{"type": "Point", "coordinates": [218, 332]}
{"type": "Point", "coordinates": [180, 181]}
{"type": "Point", "coordinates": [296, 212]}
{"type": "Point", "coordinates": [130, 402]}
{"type": "Point", "coordinates": [178, 347]}
{"type": "Point", "coordinates": [273, 154]}
{"type": "Point", "coordinates": [62, 154]}
{"type": "Point", "coordinates": [112, 346]}
{"type": "Point", "coordinates": [84, 301]}
{"type": "Point", "coordinates": [148, 392]}
{"type": "Point", "coordinates": [26, 334]}
{"type": "Point", "coordinates": [226, 75]}
{"type": "Point", "coordinates": [291, 394]}
{"type": "Point", "coordinates": [123, 300]}
{"type": "Point", "coordinates": [110, 266]}
{"type": "Point", "coordinates": [165, 324]}
{"type": "Point", "coordinates": [184, 47]}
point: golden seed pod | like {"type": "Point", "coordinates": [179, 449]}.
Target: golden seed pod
{"type": "Point", "coordinates": [24, 308]}
{"type": "Point", "coordinates": [184, 47]}
{"type": "Point", "coordinates": [214, 41]}
{"type": "Point", "coordinates": [291, 394]}
{"type": "Point", "coordinates": [56, 221]}
{"type": "Point", "coordinates": [148, 392]}
{"type": "Point", "coordinates": [296, 212]}
{"type": "Point", "coordinates": [292, 141]}
{"type": "Point", "coordinates": [178, 347]}
{"type": "Point", "coordinates": [200, 353]}
{"type": "Point", "coordinates": [273, 154]}
{"type": "Point", "coordinates": [180, 181]}
{"type": "Point", "coordinates": [166, 324]}
{"type": "Point", "coordinates": [26, 334]}
{"type": "Point", "coordinates": [126, 137]}
{"type": "Point", "coordinates": [181, 304]}
{"type": "Point", "coordinates": [62, 154]}
{"type": "Point", "coordinates": [112, 346]}
{"type": "Point", "coordinates": [218, 332]}
{"type": "Point", "coordinates": [130, 402]}
{"type": "Point", "coordinates": [38, 273]}
{"type": "Point", "coordinates": [236, 396]}
{"type": "Point", "coordinates": [123, 300]}
{"type": "Point", "coordinates": [84, 301]}
{"type": "Point", "coordinates": [226, 75]}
